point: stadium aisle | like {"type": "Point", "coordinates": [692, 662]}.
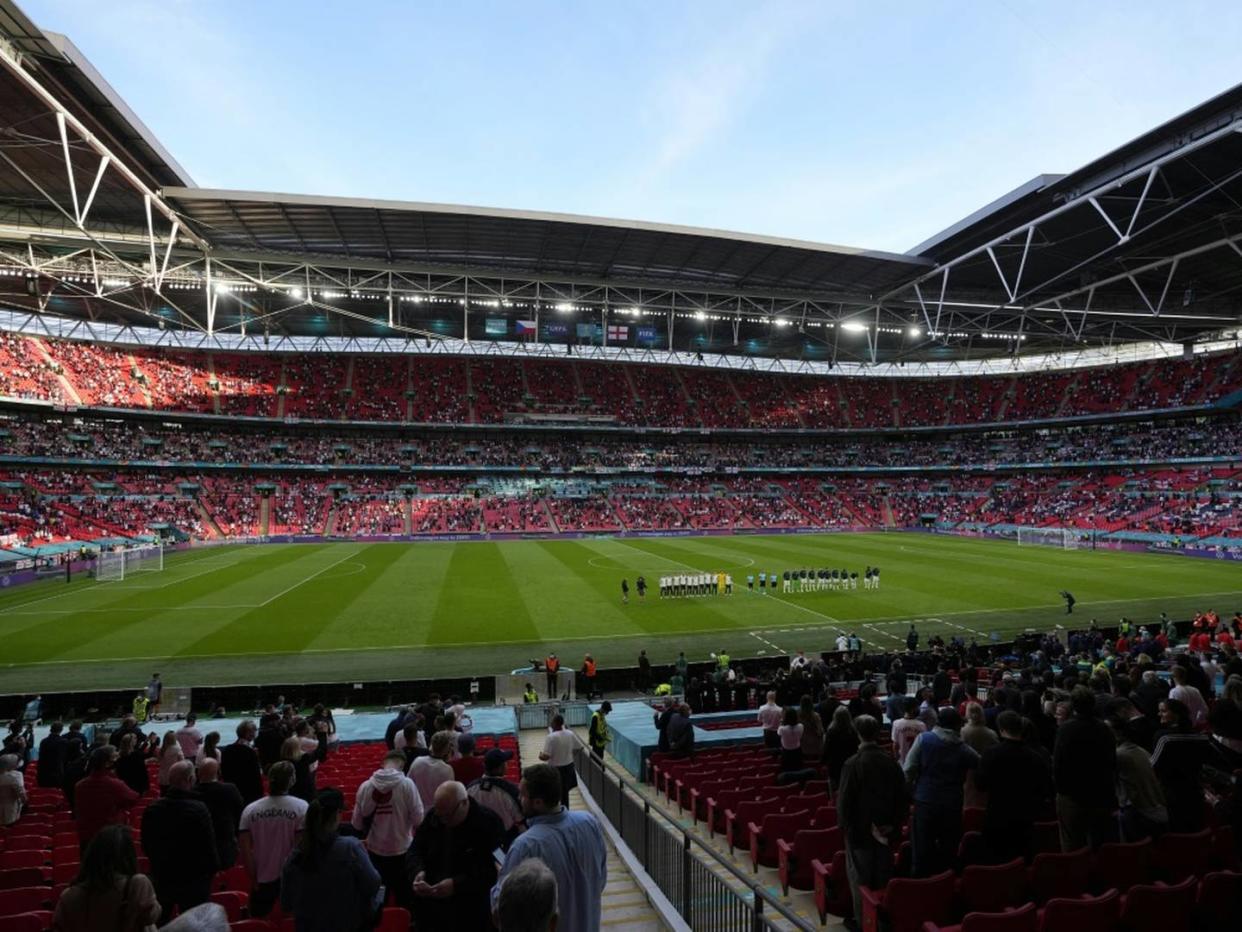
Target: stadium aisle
{"type": "Point", "coordinates": [625, 904]}
{"type": "Point", "coordinates": [801, 903]}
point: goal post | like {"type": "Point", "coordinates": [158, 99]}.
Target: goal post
{"type": "Point", "coordinates": [115, 565]}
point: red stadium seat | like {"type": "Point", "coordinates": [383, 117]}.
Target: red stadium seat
{"type": "Point", "coordinates": [1159, 908]}
{"type": "Point", "coordinates": [1060, 875]}
{"type": "Point", "coordinates": [794, 856]}
{"type": "Point", "coordinates": [994, 888]}
{"type": "Point", "coordinates": [1179, 855]}
{"type": "Point", "coordinates": [1218, 907]}
{"type": "Point", "coordinates": [35, 921]}
{"type": "Point", "coordinates": [1119, 865]}
{"type": "Point", "coordinates": [1022, 919]}
{"type": "Point", "coordinates": [233, 901]}
{"type": "Point", "coordinates": [748, 812]}
{"type": "Point", "coordinates": [905, 904]}
{"type": "Point", "coordinates": [831, 886]}
{"type": "Point", "coordinates": [21, 858]}
{"type": "Point", "coordinates": [764, 835]}
{"type": "Point", "coordinates": [1082, 914]}
{"type": "Point", "coordinates": [24, 900]}
{"type": "Point", "coordinates": [394, 919]}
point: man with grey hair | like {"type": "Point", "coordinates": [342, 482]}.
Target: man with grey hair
{"type": "Point", "coordinates": [225, 804]}
{"type": "Point", "coordinates": [178, 837]}
{"type": "Point", "coordinates": [527, 900]}
{"type": "Point", "coordinates": [450, 865]}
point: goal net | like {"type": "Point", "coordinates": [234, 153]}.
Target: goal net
{"type": "Point", "coordinates": [115, 565]}
{"type": "Point", "coordinates": [1066, 538]}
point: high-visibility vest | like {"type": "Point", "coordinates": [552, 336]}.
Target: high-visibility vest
{"type": "Point", "coordinates": [588, 667]}
{"type": "Point", "coordinates": [553, 664]}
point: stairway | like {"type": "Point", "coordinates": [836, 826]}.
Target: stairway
{"type": "Point", "coordinates": [280, 395]}
{"type": "Point", "coordinates": [142, 382]}
{"type": "Point", "coordinates": [329, 525]}
{"type": "Point", "coordinates": [472, 417]}
{"type": "Point", "coordinates": [886, 510]}
{"type": "Point", "coordinates": [211, 377]}
{"type": "Point", "coordinates": [265, 515]}
{"type": "Point", "coordinates": [551, 520]}
{"type": "Point", "coordinates": [212, 528]}
{"type": "Point", "coordinates": [71, 393]}
{"type": "Point", "coordinates": [1010, 391]}
{"type": "Point", "coordinates": [625, 906]}
{"type": "Point", "coordinates": [407, 517]}
{"type": "Point", "coordinates": [409, 386]}
{"type": "Point", "coordinates": [1071, 389]}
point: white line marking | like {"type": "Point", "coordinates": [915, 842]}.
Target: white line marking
{"type": "Point", "coordinates": [811, 611]}
{"type": "Point", "coordinates": [285, 592]}
{"type": "Point", "coordinates": [764, 640]}
{"type": "Point", "coordinates": [179, 579]}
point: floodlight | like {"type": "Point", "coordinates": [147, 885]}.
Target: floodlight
{"type": "Point", "coordinates": [854, 327]}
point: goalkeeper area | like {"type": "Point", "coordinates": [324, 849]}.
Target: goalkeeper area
{"type": "Point", "coordinates": [372, 611]}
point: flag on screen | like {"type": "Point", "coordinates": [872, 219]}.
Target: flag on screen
{"type": "Point", "coordinates": [618, 333]}
{"type": "Point", "coordinates": [525, 328]}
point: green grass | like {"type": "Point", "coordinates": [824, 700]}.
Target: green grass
{"type": "Point", "coordinates": [348, 611]}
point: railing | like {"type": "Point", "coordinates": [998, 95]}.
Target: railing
{"type": "Point", "coordinates": [710, 893]}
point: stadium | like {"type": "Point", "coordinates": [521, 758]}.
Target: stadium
{"type": "Point", "coordinates": [362, 452]}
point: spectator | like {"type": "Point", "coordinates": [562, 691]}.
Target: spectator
{"type": "Point", "coordinates": [170, 754]}
{"type": "Point", "coordinates": [53, 751]}
{"type": "Point", "coordinates": [450, 863]}
{"type": "Point", "coordinates": [387, 811]}
{"type": "Point", "coordinates": [397, 725]}
{"type": "Point", "coordinates": [1225, 719]}
{"type": "Point", "coordinates": [840, 744]}
{"type": "Point", "coordinates": [131, 765]}
{"type": "Point", "coordinates": [468, 767]}
{"type": "Point", "coordinates": [1084, 766]}
{"type": "Point", "coordinates": [108, 892]}
{"type": "Point", "coordinates": [12, 790]}
{"type": "Point", "coordinates": [1017, 782]}
{"type": "Point", "coordinates": [812, 730]}
{"type": "Point", "coordinates": [1178, 762]}
{"type": "Point", "coordinates": [429, 772]}
{"type": "Point", "coordinates": [661, 723]}
{"type": "Point", "coordinates": [558, 750]}
{"type": "Point", "coordinates": [498, 794]}
{"type": "Point", "coordinates": [129, 726]}
{"type": "Point", "coordinates": [979, 736]}
{"type": "Point", "coordinates": [178, 837]}
{"type": "Point", "coordinates": [528, 899]}
{"type": "Point", "coordinates": [224, 802]}
{"type": "Point", "coordinates": [1143, 813]}
{"type": "Point", "coordinates": [269, 829]}
{"type": "Point", "coordinates": [190, 738]}
{"type": "Point", "coordinates": [571, 844]}
{"type": "Point", "coordinates": [873, 802]}
{"type": "Point", "coordinates": [291, 750]}
{"type": "Point", "coordinates": [239, 764]}
{"type": "Point", "coordinates": [770, 716]}
{"type": "Point", "coordinates": [790, 734]}
{"type": "Point", "coordinates": [411, 743]}
{"type": "Point", "coordinates": [906, 729]}
{"type": "Point", "coordinates": [155, 692]}
{"type": "Point", "coordinates": [681, 732]}
{"type": "Point", "coordinates": [100, 798]}
{"type": "Point", "coordinates": [270, 740]}
{"type": "Point", "coordinates": [936, 767]}
{"type": "Point", "coordinates": [598, 734]}
{"type": "Point", "coordinates": [211, 748]}
{"type": "Point", "coordinates": [329, 883]}
{"type": "Point", "coordinates": [1191, 697]}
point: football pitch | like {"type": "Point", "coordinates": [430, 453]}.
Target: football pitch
{"type": "Point", "coordinates": [369, 611]}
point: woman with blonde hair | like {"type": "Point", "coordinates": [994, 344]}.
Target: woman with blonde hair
{"type": "Point", "coordinates": [170, 753]}
{"type": "Point", "coordinates": [291, 750]}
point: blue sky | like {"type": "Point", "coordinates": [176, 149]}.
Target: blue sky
{"type": "Point", "coordinates": [870, 124]}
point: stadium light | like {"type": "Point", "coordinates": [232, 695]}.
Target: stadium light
{"type": "Point", "coordinates": [297, 293]}
{"type": "Point", "coordinates": [699, 315]}
{"type": "Point", "coordinates": [564, 308]}
{"type": "Point", "coordinates": [914, 333]}
{"type": "Point", "coordinates": [854, 327]}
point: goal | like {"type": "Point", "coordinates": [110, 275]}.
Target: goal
{"type": "Point", "coordinates": [115, 565]}
{"type": "Point", "coordinates": [1066, 538]}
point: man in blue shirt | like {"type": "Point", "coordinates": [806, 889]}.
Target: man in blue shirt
{"type": "Point", "coordinates": [571, 844]}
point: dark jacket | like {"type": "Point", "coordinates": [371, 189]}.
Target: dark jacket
{"type": "Point", "coordinates": [1018, 781]}
{"type": "Point", "coordinates": [224, 802]}
{"type": "Point", "coordinates": [873, 792]}
{"type": "Point", "coordinates": [465, 854]}
{"type": "Point", "coordinates": [1084, 762]}
{"type": "Point", "coordinates": [304, 783]}
{"type": "Point", "coordinates": [239, 765]}
{"type": "Point", "coordinates": [267, 744]}
{"type": "Point", "coordinates": [1178, 761]}
{"type": "Point", "coordinates": [840, 745]}
{"type": "Point", "coordinates": [132, 768]}
{"type": "Point", "coordinates": [937, 766]}
{"type": "Point", "coordinates": [115, 738]}
{"type": "Point", "coordinates": [661, 726]}
{"type": "Point", "coordinates": [337, 895]}
{"type": "Point", "coordinates": [52, 752]}
{"type": "Point", "coordinates": [394, 729]}
{"type": "Point", "coordinates": [680, 734]}
{"type": "Point", "coordinates": [178, 838]}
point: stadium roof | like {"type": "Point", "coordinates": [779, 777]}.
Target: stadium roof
{"type": "Point", "coordinates": [534, 242]}
{"type": "Point", "coordinates": [1144, 243]}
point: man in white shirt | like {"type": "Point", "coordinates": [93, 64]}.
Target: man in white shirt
{"type": "Point", "coordinates": [190, 738]}
{"type": "Point", "coordinates": [798, 662]}
{"type": "Point", "coordinates": [270, 828]}
{"type": "Point", "coordinates": [770, 716]}
{"type": "Point", "coordinates": [843, 642]}
{"type": "Point", "coordinates": [430, 771]}
{"type": "Point", "coordinates": [1193, 699]}
{"type": "Point", "coordinates": [558, 750]}
{"type": "Point", "coordinates": [387, 810]}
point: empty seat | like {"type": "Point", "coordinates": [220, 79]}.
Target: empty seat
{"type": "Point", "coordinates": [994, 888]}
{"type": "Point", "coordinates": [34, 921]}
{"type": "Point", "coordinates": [24, 900]}
{"type": "Point", "coordinates": [1159, 907]}
{"type": "Point", "coordinates": [794, 856]}
{"type": "Point", "coordinates": [832, 886]}
{"type": "Point", "coordinates": [1218, 907]}
{"type": "Point", "coordinates": [25, 877]}
{"type": "Point", "coordinates": [1082, 914]}
{"type": "Point", "coordinates": [748, 812]}
{"type": "Point", "coordinates": [1060, 875]}
{"type": "Point", "coordinates": [1023, 919]}
{"type": "Point", "coordinates": [233, 901]}
{"type": "Point", "coordinates": [1179, 855]}
{"type": "Point", "coordinates": [394, 919]}
{"type": "Point", "coordinates": [765, 834]}
{"type": "Point", "coordinates": [13, 859]}
{"type": "Point", "coordinates": [1120, 865]}
{"type": "Point", "coordinates": [905, 903]}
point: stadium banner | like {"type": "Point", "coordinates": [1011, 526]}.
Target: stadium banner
{"type": "Point", "coordinates": [618, 333]}
{"type": "Point", "coordinates": [555, 330]}
{"type": "Point", "coordinates": [524, 328]}
{"type": "Point", "coordinates": [497, 327]}
{"type": "Point", "coordinates": [589, 333]}
{"type": "Point", "coordinates": [647, 335]}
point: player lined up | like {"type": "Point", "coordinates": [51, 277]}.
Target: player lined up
{"type": "Point", "coordinates": [817, 580]}
{"type": "Point", "coordinates": [695, 584]}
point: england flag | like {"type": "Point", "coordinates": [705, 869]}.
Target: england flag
{"type": "Point", "coordinates": [617, 333]}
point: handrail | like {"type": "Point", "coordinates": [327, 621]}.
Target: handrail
{"type": "Point", "coordinates": [760, 899]}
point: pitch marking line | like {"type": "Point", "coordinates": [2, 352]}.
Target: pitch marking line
{"type": "Point", "coordinates": [284, 592]}
{"type": "Point", "coordinates": [177, 581]}
{"type": "Point", "coordinates": [763, 640]}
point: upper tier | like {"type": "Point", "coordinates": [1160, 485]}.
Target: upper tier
{"type": "Point", "coordinates": [496, 390]}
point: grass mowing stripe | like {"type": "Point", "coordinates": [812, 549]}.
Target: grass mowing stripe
{"type": "Point", "coordinates": [479, 599]}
